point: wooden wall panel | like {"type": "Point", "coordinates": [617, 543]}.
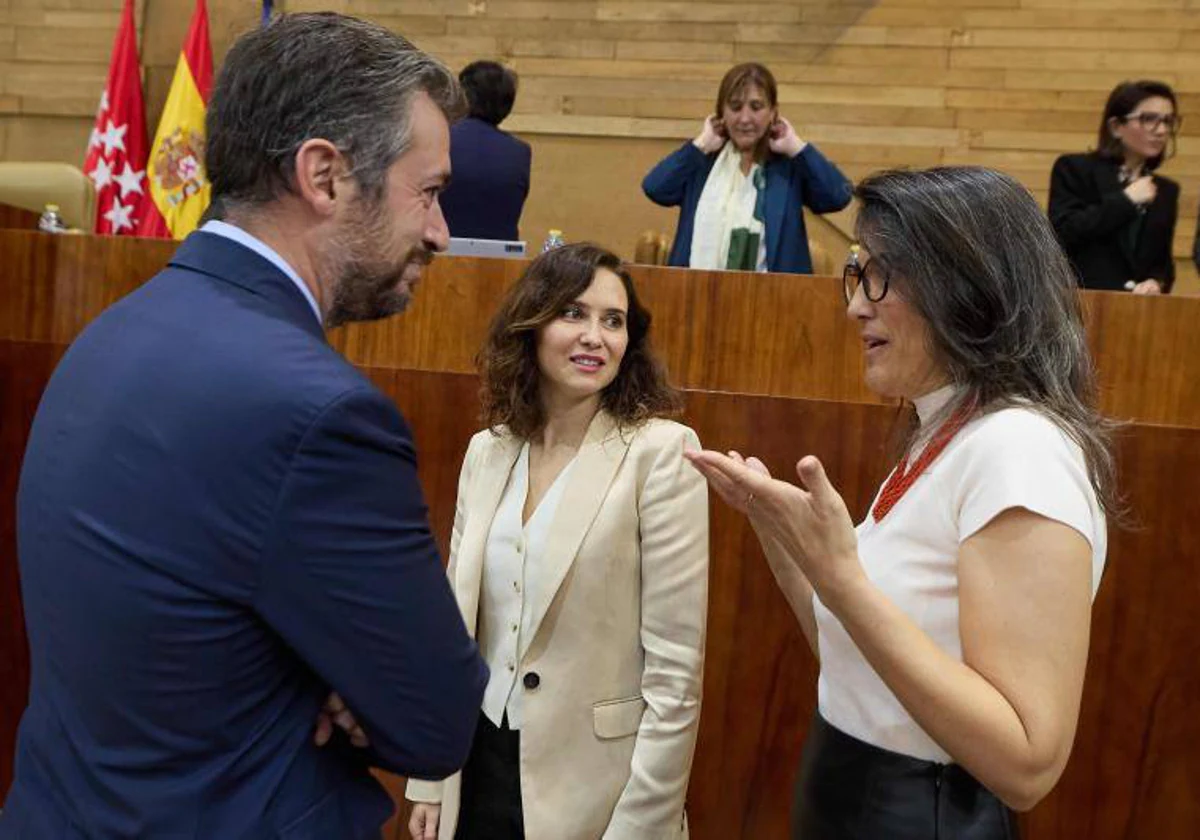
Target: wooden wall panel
{"type": "Point", "coordinates": [54, 285]}
{"type": "Point", "coordinates": [618, 84]}
{"type": "Point", "coordinates": [1135, 768]}
{"type": "Point", "coordinates": [25, 368]}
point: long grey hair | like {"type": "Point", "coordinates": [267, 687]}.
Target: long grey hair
{"type": "Point", "coordinates": [973, 253]}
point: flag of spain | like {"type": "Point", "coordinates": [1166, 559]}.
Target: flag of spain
{"type": "Point", "coordinates": [179, 187]}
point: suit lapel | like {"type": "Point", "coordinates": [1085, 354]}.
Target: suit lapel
{"type": "Point", "coordinates": [601, 454]}
{"type": "Point", "coordinates": [481, 504]}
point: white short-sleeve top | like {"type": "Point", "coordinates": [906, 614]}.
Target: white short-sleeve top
{"type": "Point", "coordinates": [1011, 458]}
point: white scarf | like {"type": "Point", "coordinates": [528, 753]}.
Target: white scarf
{"type": "Point", "coordinates": [720, 212]}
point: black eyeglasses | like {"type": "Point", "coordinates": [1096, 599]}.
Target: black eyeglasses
{"type": "Point", "coordinates": [1149, 120]}
{"type": "Point", "coordinates": [855, 275]}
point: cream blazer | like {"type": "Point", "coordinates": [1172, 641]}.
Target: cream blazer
{"type": "Point", "coordinates": [618, 641]}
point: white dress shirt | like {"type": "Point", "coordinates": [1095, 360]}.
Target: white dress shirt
{"type": "Point", "coordinates": [512, 566]}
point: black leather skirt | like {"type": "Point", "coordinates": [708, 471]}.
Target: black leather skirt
{"type": "Point", "coordinates": [850, 790]}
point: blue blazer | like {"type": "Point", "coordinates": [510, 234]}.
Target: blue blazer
{"type": "Point", "coordinates": [218, 521]}
{"type": "Point", "coordinates": [490, 181]}
{"type": "Point", "coordinates": [807, 180]}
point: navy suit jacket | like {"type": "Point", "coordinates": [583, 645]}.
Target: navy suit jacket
{"type": "Point", "coordinates": [807, 180]}
{"type": "Point", "coordinates": [490, 181]}
{"type": "Point", "coordinates": [219, 520]}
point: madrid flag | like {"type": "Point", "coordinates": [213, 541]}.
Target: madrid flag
{"type": "Point", "coordinates": [179, 188]}
{"type": "Point", "coordinates": [116, 154]}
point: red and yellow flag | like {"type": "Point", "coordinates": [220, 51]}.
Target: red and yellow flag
{"type": "Point", "coordinates": [179, 188]}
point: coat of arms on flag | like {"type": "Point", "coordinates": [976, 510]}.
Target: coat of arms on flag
{"type": "Point", "coordinates": [178, 189]}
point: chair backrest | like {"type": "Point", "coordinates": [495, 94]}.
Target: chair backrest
{"type": "Point", "coordinates": [652, 248]}
{"type": "Point", "coordinates": [34, 184]}
{"type": "Point", "coordinates": [829, 239]}
{"type": "Point", "coordinates": [822, 263]}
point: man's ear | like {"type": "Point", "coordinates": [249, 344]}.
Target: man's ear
{"type": "Point", "coordinates": [319, 169]}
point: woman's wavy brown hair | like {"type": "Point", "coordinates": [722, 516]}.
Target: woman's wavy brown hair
{"type": "Point", "coordinates": [507, 362]}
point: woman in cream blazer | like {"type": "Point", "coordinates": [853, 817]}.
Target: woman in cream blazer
{"type": "Point", "coordinates": [595, 634]}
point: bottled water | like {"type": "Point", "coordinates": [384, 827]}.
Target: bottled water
{"type": "Point", "coordinates": [50, 220]}
{"type": "Point", "coordinates": [553, 240]}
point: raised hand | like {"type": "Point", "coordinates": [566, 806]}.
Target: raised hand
{"type": "Point", "coordinates": [733, 494]}
{"type": "Point", "coordinates": [782, 139]}
{"type": "Point", "coordinates": [810, 523]}
{"type": "Point", "coordinates": [712, 137]}
{"type": "Point", "coordinates": [1142, 190]}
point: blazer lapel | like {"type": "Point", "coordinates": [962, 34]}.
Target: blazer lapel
{"type": "Point", "coordinates": [601, 454]}
{"type": "Point", "coordinates": [1154, 224]}
{"type": "Point", "coordinates": [1108, 181]}
{"type": "Point", "coordinates": [775, 202]}
{"type": "Point", "coordinates": [481, 504]}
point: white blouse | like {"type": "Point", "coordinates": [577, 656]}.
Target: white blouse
{"type": "Point", "coordinates": [512, 565]}
{"type": "Point", "coordinates": [1015, 457]}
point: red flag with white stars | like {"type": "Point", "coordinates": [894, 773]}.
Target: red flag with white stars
{"type": "Point", "coordinates": [116, 155]}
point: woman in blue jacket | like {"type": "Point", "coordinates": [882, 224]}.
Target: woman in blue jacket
{"type": "Point", "coordinates": [742, 185]}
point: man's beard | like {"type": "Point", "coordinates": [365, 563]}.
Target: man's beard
{"type": "Point", "coordinates": [368, 285]}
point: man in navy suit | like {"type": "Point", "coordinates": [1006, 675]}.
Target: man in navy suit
{"type": "Point", "coordinates": [491, 168]}
{"type": "Point", "coordinates": [219, 519]}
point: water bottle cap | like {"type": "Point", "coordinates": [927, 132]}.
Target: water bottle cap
{"type": "Point", "coordinates": [53, 208]}
{"type": "Point", "coordinates": [555, 232]}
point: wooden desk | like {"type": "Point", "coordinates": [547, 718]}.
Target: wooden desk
{"type": "Point", "coordinates": [772, 365]}
{"type": "Point", "coordinates": [778, 335]}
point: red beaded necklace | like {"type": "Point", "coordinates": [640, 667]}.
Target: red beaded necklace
{"type": "Point", "coordinates": [904, 477]}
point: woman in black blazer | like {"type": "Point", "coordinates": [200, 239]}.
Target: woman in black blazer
{"type": "Point", "coordinates": [1113, 215]}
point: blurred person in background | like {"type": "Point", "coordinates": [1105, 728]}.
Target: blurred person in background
{"type": "Point", "coordinates": [1114, 216]}
{"type": "Point", "coordinates": [741, 186]}
{"type": "Point", "coordinates": [491, 167]}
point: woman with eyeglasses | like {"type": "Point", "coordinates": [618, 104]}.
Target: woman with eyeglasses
{"type": "Point", "coordinates": [952, 624]}
{"type": "Point", "coordinates": [742, 185]}
{"type": "Point", "coordinates": [1113, 215]}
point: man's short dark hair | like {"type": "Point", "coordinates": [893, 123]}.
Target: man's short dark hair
{"type": "Point", "coordinates": [491, 90]}
{"type": "Point", "coordinates": [320, 75]}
